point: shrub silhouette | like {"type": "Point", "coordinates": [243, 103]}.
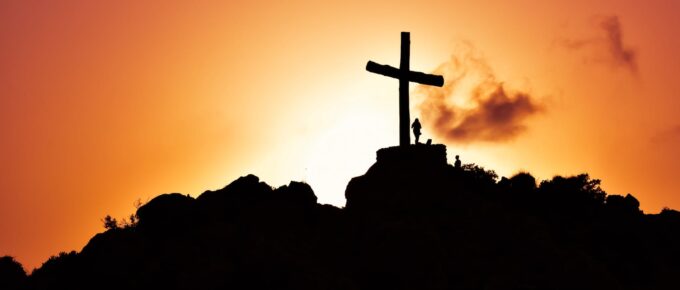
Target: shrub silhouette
{"type": "Point", "coordinates": [523, 182]}
{"type": "Point", "coordinates": [476, 172]}
{"type": "Point", "coordinates": [110, 223]}
{"type": "Point", "coordinates": [62, 269]}
{"type": "Point", "coordinates": [12, 274]}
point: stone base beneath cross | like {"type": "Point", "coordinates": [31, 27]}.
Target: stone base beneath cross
{"type": "Point", "coordinates": [413, 155]}
{"type": "Point", "coordinates": [403, 178]}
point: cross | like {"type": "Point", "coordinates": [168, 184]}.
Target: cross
{"type": "Point", "coordinates": [404, 75]}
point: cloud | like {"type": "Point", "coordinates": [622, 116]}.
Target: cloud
{"type": "Point", "coordinates": [621, 54]}
{"type": "Point", "coordinates": [610, 41]}
{"type": "Point", "coordinates": [473, 106]}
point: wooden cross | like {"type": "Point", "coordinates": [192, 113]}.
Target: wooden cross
{"type": "Point", "coordinates": [404, 75]}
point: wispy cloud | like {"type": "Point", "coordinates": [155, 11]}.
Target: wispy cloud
{"type": "Point", "coordinates": [610, 41]}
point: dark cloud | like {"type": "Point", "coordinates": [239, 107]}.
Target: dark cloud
{"type": "Point", "coordinates": [473, 106]}
{"type": "Point", "coordinates": [610, 41]}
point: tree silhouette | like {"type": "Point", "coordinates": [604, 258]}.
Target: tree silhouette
{"type": "Point", "coordinates": [12, 274]}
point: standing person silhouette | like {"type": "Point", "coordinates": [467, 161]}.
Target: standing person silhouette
{"type": "Point", "coordinates": [458, 163]}
{"type": "Point", "coordinates": [416, 129]}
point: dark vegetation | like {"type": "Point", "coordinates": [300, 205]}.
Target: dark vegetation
{"type": "Point", "coordinates": [411, 222]}
{"type": "Point", "coordinates": [12, 274]}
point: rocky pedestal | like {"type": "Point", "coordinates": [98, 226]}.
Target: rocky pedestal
{"type": "Point", "coordinates": [402, 179]}
{"type": "Point", "coordinates": [418, 156]}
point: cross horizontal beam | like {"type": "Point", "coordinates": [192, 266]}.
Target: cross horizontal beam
{"type": "Point", "coordinates": [412, 76]}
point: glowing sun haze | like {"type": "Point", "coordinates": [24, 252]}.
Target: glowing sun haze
{"type": "Point", "coordinates": [104, 103]}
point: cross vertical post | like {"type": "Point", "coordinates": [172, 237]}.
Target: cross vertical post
{"type": "Point", "coordinates": [404, 68]}
{"type": "Point", "coordinates": [405, 76]}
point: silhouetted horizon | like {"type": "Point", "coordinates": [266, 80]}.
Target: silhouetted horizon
{"type": "Point", "coordinates": [412, 221]}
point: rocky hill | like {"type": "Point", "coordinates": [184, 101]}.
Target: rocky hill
{"type": "Point", "coordinates": [411, 222]}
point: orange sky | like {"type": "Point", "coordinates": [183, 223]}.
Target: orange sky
{"type": "Point", "coordinates": [106, 102]}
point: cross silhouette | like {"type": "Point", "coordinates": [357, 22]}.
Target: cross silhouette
{"type": "Point", "coordinates": [405, 76]}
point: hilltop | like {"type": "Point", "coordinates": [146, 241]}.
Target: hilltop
{"type": "Point", "coordinates": [413, 221]}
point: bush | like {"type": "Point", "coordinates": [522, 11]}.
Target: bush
{"type": "Point", "coordinates": [12, 274]}
{"type": "Point", "coordinates": [110, 223]}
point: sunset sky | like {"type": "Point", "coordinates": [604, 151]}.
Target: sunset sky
{"type": "Point", "coordinates": [104, 103]}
